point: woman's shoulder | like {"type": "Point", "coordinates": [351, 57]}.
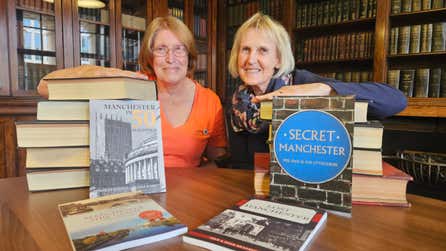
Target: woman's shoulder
{"type": "Point", "coordinates": [206, 93]}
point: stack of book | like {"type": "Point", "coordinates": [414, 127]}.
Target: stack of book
{"type": "Point", "coordinates": [57, 143]}
{"type": "Point", "coordinates": [374, 181]}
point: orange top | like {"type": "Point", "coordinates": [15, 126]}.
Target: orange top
{"type": "Point", "coordinates": [184, 145]}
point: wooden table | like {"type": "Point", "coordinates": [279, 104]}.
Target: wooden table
{"type": "Point", "coordinates": [30, 221]}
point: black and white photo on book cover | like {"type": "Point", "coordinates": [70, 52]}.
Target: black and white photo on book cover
{"type": "Point", "coordinates": [259, 225]}
{"type": "Point", "coordinates": [126, 151]}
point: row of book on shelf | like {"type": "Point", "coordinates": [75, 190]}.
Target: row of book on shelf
{"type": "Point", "coordinates": [349, 76]}
{"type": "Point", "coordinates": [344, 46]}
{"type": "Point", "coordinates": [421, 82]}
{"type": "Point", "coordinates": [239, 11]}
{"type": "Point", "coordinates": [404, 6]}
{"type": "Point", "coordinates": [200, 27]}
{"type": "Point", "coordinates": [311, 13]}
{"type": "Point", "coordinates": [86, 136]}
{"type": "Point", "coordinates": [419, 38]}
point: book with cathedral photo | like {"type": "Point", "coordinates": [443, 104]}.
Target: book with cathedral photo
{"type": "Point", "coordinates": [126, 152]}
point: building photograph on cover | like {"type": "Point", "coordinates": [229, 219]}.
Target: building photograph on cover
{"type": "Point", "coordinates": [125, 147]}
{"type": "Point", "coordinates": [257, 230]}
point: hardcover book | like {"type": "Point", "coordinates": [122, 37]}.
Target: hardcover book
{"type": "Point", "coordinates": [101, 88]}
{"type": "Point", "coordinates": [386, 190]}
{"type": "Point", "coordinates": [41, 133]}
{"type": "Point", "coordinates": [311, 160]}
{"type": "Point", "coordinates": [38, 157]}
{"type": "Point", "coordinates": [368, 135]}
{"type": "Point", "coordinates": [62, 110]}
{"type": "Point", "coordinates": [259, 225]}
{"type": "Point", "coordinates": [118, 222]}
{"type": "Point", "coordinates": [41, 179]}
{"type": "Point", "coordinates": [126, 152]}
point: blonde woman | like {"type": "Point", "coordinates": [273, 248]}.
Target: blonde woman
{"type": "Point", "coordinates": [262, 57]}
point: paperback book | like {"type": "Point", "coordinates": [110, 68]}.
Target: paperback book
{"type": "Point", "coordinates": [259, 224]}
{"type": "Point", "coordinates": [126, 152]}
{"type": "Point", "coordinates": [118, 222]}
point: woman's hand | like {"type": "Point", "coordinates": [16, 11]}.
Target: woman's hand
{"type": "Point", "coordinates": [313, 89]}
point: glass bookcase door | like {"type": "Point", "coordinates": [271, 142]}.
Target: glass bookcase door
{"type": "Point", "coordinates": [35, 46]}
{"type": "Point", "coordinates": [94, 32]}
{"type": "Point", "coordinates": [200, 31]}
{"type": "Point", "coordinates": [176, 8]}
{"type": "Point", "coordinates": [133, 20]}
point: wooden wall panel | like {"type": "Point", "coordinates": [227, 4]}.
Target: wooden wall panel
{"type": "Point", "coordinates": [4, 56]}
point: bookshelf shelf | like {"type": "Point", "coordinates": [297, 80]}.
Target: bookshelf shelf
{"type": "Point", "coordinates": [425, 107]}
{"type": "Point", "coordinates": [337, 64]}
{"type": "Point", "coordinates": [418, 60]}
{"type": "Point", "coordinates": [132, 29]}
{"type": "Point", "coordinates": [352, 25]}
{"type": "Point", "coordinates": [34, 10]}
{"type": "Point", "coordinates": [418, 17]}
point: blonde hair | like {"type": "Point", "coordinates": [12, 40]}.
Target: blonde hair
{"type": "Point", "coordinates": [276, 32]}
{"type": "Point", "coordinates": [180, 30]}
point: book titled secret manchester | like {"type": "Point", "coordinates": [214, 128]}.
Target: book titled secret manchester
{"type": "Point", "coordinates": [126, 151]}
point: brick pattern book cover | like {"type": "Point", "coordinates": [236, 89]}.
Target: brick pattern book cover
{"type": "Point", "coordinates": [334, 194]}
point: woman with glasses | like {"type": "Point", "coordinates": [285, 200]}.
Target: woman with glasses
{"type": "Point", "coordinates": [262, 57]}
{"type": "Point", "coordinates": [191, 115]}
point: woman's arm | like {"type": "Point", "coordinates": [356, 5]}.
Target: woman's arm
{"type": "Point", "coordinates": [383, 99]}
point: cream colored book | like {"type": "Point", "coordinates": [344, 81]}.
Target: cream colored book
{"type": "Point", "coordinates": [52, 179]}
{"type": "Point", "coordinates": [101, 88]}
{"type": "Point", "coordinates": [52, 133]}
{"type": "Point", "coordinates": [367, 161]}
{"type": "Point", "coordinates": [57, 157]}
{"type": "Point", "coordinates": [63, 110]}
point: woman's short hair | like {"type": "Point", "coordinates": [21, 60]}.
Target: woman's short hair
{"type": "Point", "coordinates": [276, 32]}
{"type": "Point", "coordinates": [181, 32]}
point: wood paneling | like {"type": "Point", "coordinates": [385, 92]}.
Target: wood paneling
{"type": "Point", "coordinates": [382, 27]}
{"type": "Point", "coordinates": [4, 56]}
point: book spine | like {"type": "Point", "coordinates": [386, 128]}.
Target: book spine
{"type": "Point", "coordinates": [404, 39]}
{"type": "Point", "coordinates": [434, 82]}
{"type": "Point", "coordinates": [395, 7]}
{"type": "Point", "coordinates": [415, 32]}
{"type": "Point", "coordinates": [422, 82]}
{"type": "Point", "coordinates": [393, 78]}
{"type": "Point", "coordinates": [416, 5]}
{"type": "Point", "coordinates": [407, 82]}
{"type": "Point", "coordinates": [443, 83]}
{"type": "Point", "coordinates": [406, 5]}
{"type": "Point", "coordinates": [438, 36]}
{"type": "Point", "coordinates": [426, 38]}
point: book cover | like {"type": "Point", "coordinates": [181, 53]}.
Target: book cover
{"type": "Point", "coordinates": [310, 161]}
{"type": "Point", "coordinates": [258, 224]}
{"type": "Point", "coordinates": [118, 222]}
{"type": "Point", "coordinates": [126, 152]}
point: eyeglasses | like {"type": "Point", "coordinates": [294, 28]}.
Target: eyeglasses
{"type": "Point", "coordinates": [179, 51]}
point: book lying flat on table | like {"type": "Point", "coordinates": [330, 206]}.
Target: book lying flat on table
{"type": "Point", "coordinates": [101, 88]}
{"type": "Point", "coordinates": [367, 161]}
{"type": "Point", "coordinates": [52, 133]}
{"type": "Point", "coordinates": [117, 222]}
{"type": "Point", "coordinates": [368, 135]}
{"type": "Point", "coordinates": [63, 110]}
{"type": "Point", "coordinates": [259, 224]}
{"type": "Point", "coordinates": [387, 190]}
{"type": "Point", "coordinates": [41, 179]}
{"type": "Point", "coordinates": [57, 157]}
